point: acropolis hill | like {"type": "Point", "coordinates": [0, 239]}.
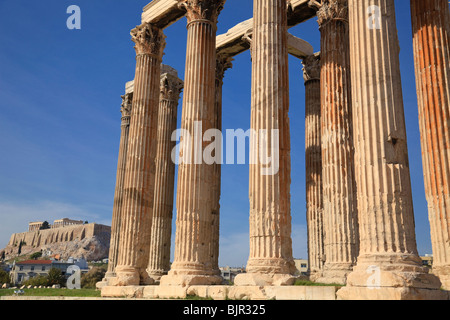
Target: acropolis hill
{"type": "Point", "coordinates": [77, 240]}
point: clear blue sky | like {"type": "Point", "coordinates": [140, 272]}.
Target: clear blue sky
{"type": "Point", "coordinates": [60, 115]}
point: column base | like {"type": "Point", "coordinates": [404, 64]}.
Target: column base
{"type": "Point", "coordinates": [271, 266]}
{"type": "Point", "coordinates": [261, 279]}
{"type": "Point", "coordinates": [314, 275]}
{"type": "Point", "coordinates": [106, 280]}
{"type": "Point", "coordinates": [190, 274]}
{"type": "Point", "coordinates": [156, 275]}
{"type": "Point", "coordinates": [335, 273]}
{"type": "Point", "coordinates": [110, 274]}
{"type": "Point", "coordinates": [130, 276]}
{"type": "Point", "coordinates": [391, 277]}
{"type": "Point", "coordinates": [444, 275]}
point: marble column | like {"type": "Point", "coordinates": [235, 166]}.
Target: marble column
{"type": "Point", "coordinates": [313, 165]}
{"type": "Point", "coordinates": [137, 207]}
{"type": "Point", "coordinates": [161, 230]}
{"type": "Point", "coordinates": [388, 265]}
{"type": "Point", "coordinates": [431, 38]}
{"type": "Point", "coordinates": [340, 221]}
{"type": "Point", "coordinates": [194, 262]}
{"type": "Point", "coordinates": [270, 261]}
{"type": "Point", "coordinates": [120, 177]}
{"type": "Point", "coordinates": [223, 63]}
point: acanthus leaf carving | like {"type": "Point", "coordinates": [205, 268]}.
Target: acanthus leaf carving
{"type": "Point", "coordinates": [311, 67]}
{"type": "Point", "coordinates": [127, 104]}
{"type": "Point", "coordinates": [202, 9]}
{"type": "Point", "coordinates": [148, 39]}
{"type": "Point", "coordinates": [223, 63]}
{"type": "Point", "coordinates": [170, 87]}
{"type": "Point", "coordinates": [329, 10]}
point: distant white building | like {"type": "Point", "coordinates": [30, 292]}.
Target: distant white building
{"type": "Point", "coordinates": [25, 270]}
{"type": "Point", "coordinates": [35, 226]}
{"type": "Point", "coordinates": [65, 222]}
{"type": "Point", "coordinates": [230, 273]}
{"type": "Point", "coordinates": [302, 266]}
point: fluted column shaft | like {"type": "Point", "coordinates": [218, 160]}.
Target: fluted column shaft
{"type": "Point", "coordinates": [313, 165]}
{"type": "Point", "coordinates": [269, 184]}
{"type": "Point", "coordinates": [193, 263]}
{"type": "Point", "coordinates": [339, 197]}
{"type": "Point", "coordinates": [120, 177]}
{"type": "Point", "coordinates": [161, 229]}
{"type": "Point", "coordinates": [139, 178]}
{"type": "Point", "coordinates": [431, 38]}
{"type": "Point", "coordinates": [222, 64]}
{"type": "Point", "coordinates": [388, 258]}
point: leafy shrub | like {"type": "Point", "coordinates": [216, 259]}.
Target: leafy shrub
{"type": "Point", "coordinates": [36, 255]}
{"type": "Point", "coordinates": [89, 279]}
{"type": "Point", "coordinates": [4, 277]}
{"type": "Point", "coordinates": [36, 281]}
{"type": "Point", "coordinates": [55, 276]}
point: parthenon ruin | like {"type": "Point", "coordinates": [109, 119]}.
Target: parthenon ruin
{"type": "Point", "coordinates": [361, 230]}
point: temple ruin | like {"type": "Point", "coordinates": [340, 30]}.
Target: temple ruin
{"type": "Point", "coordinates": [359, 202]}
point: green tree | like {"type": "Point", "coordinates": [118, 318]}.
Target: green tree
{"type": "Point", "coordinates": [89, 279]}
{"type": "Point", "coordinates": [55, 276]}
{"type": "Point", "coordinates": [19, 251]}
{"type": "Point", "coordinates": [4, 276]}
{"type": "Point", "coordinates": [36, 255]}
{"type": "Point", "coordinates": [36, 281]}
{"type": "Point", "coordinates": [45, 226]}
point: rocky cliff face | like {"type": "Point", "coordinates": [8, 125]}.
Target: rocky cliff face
{"type": "Point", "coordinates": [90, 242]}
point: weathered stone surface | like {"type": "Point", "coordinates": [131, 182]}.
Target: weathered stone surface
{"type": "Point", "coordinates": [255, 292]}
{"type": "Point", "coordinates": [123, 292]}
{"type": "Point", "coordinates": [247, 293]}
{"type": "Point", "coordinates": [301, 293]}
{"type": "Point", "coordinates": [89, 241]}
{"type": "Point", "coordinates": [162, 13]}
{"type": "Point", "coordinates": [235, 41]}
{"type": "Point", "coordinates": [223, 63]}
{"type": "Point", "coordinates": [218, 292]}
{"type": "Point", "coordinates": [161, 229]}
{"type": "Point", "coordinates": [170, 292]}
{"type": "Point", "coordinates": [127, 104]}
{"type": "Point", "coordinates": [269, 188]}
{"type": "Point", "coordinates": [388, 255]}
{"type": "Point", "coordinates": [262, 279]}
{"type": "Point", "coordinates": [137, 207]}
{"type": "Point", "coordinates": [149, 292]}
{"type": "Point", "coordinates": [194, 264]}
{"type": "Point", "coordinates": [388, 264]}
{"type": "Point", "coordinates": [313, 165]}
{"type": "Point", "coordinates": [431, 39]}
{"type": "Point", "coordinates": [339, 190]}
{"type": "Point", "coordinates": [391, 293]}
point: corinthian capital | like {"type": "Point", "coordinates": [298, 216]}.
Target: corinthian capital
{"type": "Point", "coordinates": [311, 67]}
{"type": "Point", "coordinates": [223, 63]}
{"type": "Point", "coordinates": [202, 9]}
{"type": "Point", "coordinates": [331, 10]}
{"type": "Point", "coordinates": [171, 86]}
{"type": "Point", "coordinates": [127, 104]}
{"type": "Point", "coordinates": [148, 39]}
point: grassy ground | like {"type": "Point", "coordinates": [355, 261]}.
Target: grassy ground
{"type": "Point", "coordinates": [53, 292]}
{"type": "Point", "coordinates": [197, 298]}
{"type": "Point", "coordinates": [310, 283]}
